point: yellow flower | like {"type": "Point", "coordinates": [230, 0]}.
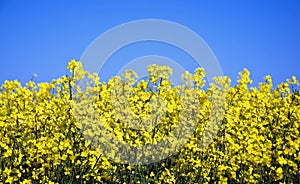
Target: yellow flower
{"type": "Point", "coordinates": [152, 174]}
{"type": "Point", "coordinates": [60, 135]}
{"type": "Point", "coordinates": [129, 167]}
{"type": "Point", "coordinates": [281, 161]}
{"type": "Point", "coordinates": [279, 172]}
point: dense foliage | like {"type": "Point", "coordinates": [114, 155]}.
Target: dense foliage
{"type": "Point", "coordinates": [41, 138]}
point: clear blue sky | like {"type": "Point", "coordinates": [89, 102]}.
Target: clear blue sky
{"type": "Point", "coordinates": [42, 36]}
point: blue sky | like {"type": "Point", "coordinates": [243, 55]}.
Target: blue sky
{"type": "Point", "coordinates": [42, 36]}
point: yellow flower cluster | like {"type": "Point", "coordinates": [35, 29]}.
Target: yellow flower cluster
{"type": "Point", "coordinates": [46, 136]}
